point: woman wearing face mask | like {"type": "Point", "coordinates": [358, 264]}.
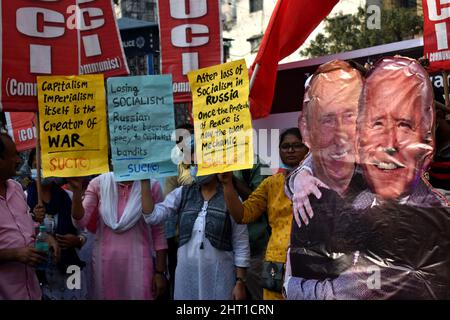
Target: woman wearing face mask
{"type": "Point", "coordinates": [213, 249]}
{"type": "Point", "coordinates": [270, 197]}
{"type": "Point", "coordinates": [58, 221]}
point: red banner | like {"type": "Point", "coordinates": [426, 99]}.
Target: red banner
{"type": "Point", "coordinates": [436, 22]}
{"type": "Point", "coordinates": [59, 37]}
{"type": "Point", "coordinates": [190, 34]}
{"type": "Point", "coordinates": [21, 128]}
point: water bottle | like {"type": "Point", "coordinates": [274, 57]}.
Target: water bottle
{"type": "Point", "coordinates": [36, 226]}
{"type": "Point", "coordinates": [42, 244]}
{"type": "Point", "coordinates": [49, 223]}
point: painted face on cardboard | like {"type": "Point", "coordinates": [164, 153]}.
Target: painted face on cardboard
{"type": "Point", "coordinates": [329, 126]}
{"type": "Point", "coordinates": [395, 128]}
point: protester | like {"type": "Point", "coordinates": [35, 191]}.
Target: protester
{"type": "Point", "coordinates": [270, 197]}
{"type": "Point", "coordinates": [185, 143]}
{"type": "Point", "coordinates": [213, 249]}
{"type": "Point", "coordinates": [58, 204]}
{"type": "Point", "coordinates": [184, 150]}
{"type": "Point", "coordinates": [246, 181]}
{"type": "Point", "coordinates": [123, 266]}
{"type": "Point", "coordinates": [18, 257]}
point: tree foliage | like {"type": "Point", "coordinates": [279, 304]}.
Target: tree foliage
{"type": "Point", "coordinates": [351, 32]}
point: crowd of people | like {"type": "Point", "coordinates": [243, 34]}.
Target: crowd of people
{"type": "Point", "coordinates": [350, 197]}
{"type": "Point", "coordinates": [125, 224]}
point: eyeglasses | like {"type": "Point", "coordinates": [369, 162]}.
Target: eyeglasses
{"type": "Point", "coordinates": [296, 146]}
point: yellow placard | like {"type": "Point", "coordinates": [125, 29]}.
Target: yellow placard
{"type": "Point", "coordinates": [222, 121]}
{"type": "Point", "coordinates": [73, 132]}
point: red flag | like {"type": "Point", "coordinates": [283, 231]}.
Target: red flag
{"type": "Point", "coordinates": [436, 23]}
{"type": "Point", "coordinates": [291, 23]}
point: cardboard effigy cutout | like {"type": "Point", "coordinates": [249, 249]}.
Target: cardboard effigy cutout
{"type": "Point", "coordinates": [380, 231]}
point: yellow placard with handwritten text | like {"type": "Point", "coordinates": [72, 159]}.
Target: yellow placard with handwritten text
{"type": "Point", "coordinates": [73, 127]}
{"type": "Point", "coordinates": [222, 121]}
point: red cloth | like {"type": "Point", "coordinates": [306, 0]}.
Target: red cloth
{"type": "Point", "coordinates": [291, 23]}
{"type": "Point", "coordinates": [436, 31]}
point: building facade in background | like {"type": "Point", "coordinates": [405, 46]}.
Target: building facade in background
{"type": "Point", "coordinates": [139, 9]}
{"type": "Point", "coordinates": [244, 23]}
{"type": "Point", "coordinates": [138, 24]}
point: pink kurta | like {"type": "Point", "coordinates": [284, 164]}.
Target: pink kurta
{"type": "Point", "coordinates": [122, 262]}
{"type": "Point", "coordinates": [18, 281]}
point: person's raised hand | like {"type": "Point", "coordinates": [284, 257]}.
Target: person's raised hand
{"type": "Point", "coordinates": [304, 185]}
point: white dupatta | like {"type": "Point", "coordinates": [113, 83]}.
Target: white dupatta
{"type": "Point", "coordinates": [109, 204]}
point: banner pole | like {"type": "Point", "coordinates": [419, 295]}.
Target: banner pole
{"type": "Point", "coordinates": [445, 75]}
{"type": "Point", "coordinates": [38, 161]}
{"type": "Point", "coordinates": [252, 80]}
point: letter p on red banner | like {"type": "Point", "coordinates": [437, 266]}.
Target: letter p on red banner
{"type": "Point", "coordinates": [436, 19]}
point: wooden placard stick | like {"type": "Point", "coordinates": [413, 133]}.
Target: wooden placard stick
{"type": "Point", "coordinates": [38, 160]}
{"type": "Point", "coordinates": [445, 75]}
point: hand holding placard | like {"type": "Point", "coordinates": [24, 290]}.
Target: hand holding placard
{"type": "Point", "coordinates": [223, 129]}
